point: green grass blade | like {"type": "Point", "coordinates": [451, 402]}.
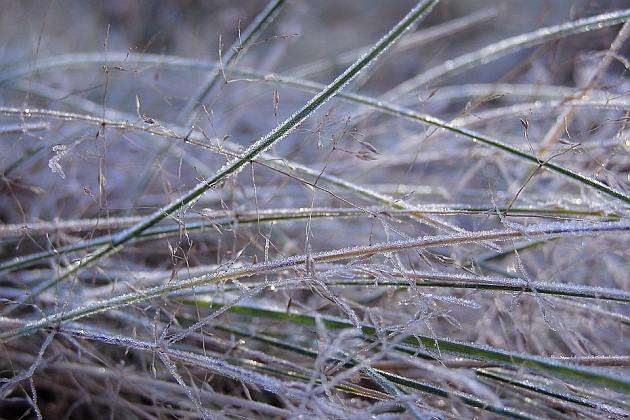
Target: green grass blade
{"type": "Point", "coordinates": [381, 105]}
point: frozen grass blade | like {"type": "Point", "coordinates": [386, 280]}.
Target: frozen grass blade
{"type": "Point", "coordinates": [396, 393]}
{"type": "Point", "coordinates": [467, 399]}
{"type": "Point", "coordinates": [84, 225]}
{"type": "Point", "coordinates": [23, 128]}
{"type": "Point", "coordinates": [495, 283]}
{"type": "Point", "coordinates": [378, 277]}
{"type": "Point", "coordinates": [219, 219]}
{"type": "Point", "coordinates": [142, 383]}
{"type": "Point", "coordinates": [191, 110]}
{"type": "Point", "coordinates": [224, 219]}
{"type": "Point", "coordinates": [541, 389]}
{"type": "Point", "coordinates": [244, 287]}
{"type": "Point", "coordinates": [507, 46]}
{"type": "Point", "coordinates": [218, 366]}
{"type": "Point", "coordinates": [424, 119]}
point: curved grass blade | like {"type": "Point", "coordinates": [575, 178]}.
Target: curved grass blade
{"type": "Point", "coordinates": [374, 277]}
{"type": "Point", "coordinates": [113, 222]}
{"type": "Point", "coordinates": [493, 283]}
{"type": "Point", "coordinates": [191, 110]}
{"type": "Point", "coordinates": [23, 128]}
{"type": "Point", "coordinates": [244, 217]}
{"type": "Point", "coordinates": [476, 137]}
{"type": "Point", "coordinates": [544, 390]}
{"type": "Point", "coordinates": [507, 46]}
{"type": "Point", "coordinates": [217, 220]}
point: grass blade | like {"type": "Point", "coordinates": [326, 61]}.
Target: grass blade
{"type": "Point", "coordinates": [507, 46]}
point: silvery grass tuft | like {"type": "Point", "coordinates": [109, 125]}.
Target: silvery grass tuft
{"type": "Point", "coordinates": [433, 225]}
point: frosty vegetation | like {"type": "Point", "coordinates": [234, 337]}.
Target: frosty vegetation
{"type": "Point", "coordinates": [432, 225]}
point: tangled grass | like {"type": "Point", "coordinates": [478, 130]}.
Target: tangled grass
{"type": "Point", "coordinates": [431, 250]}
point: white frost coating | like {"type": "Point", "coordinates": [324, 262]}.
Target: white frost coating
{"type": "Point", "coordinates": [537, 106]}
{"type": "Point", "coordinates": [23, 127]}
{"type": "Point", "coordinates": [54, 163]}
{"type": "Point", "coordinates": [512, 284]}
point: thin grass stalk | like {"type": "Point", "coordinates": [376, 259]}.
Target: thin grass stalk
{"type": "Point", "coordinates": [218, 219]}
{"type": "Point", "coordinates": [154, 233]}
{"type": "Point", "coordinates": [541, 389]}
{"type": "Point", "coordinates": [564, 119]}
{"type": "Point", "coordinates": [221, 219]}
{"type": "Point", "coordinates": [13, 230]}
{"type": "Point", "coordinates": [384, 107]}
{"type": "Point", "coordinates": [396, 393]}
{"type": "Point", "coordinates": [374, 276]}
{"type": "Point", "coordinates": [493, 283]}
{"type": "Point", "coordinates": [189, 114]}
{"type": "Point", "coordinates": [417, 342]}
{"type": "Point", "coordinates": [413, 40]}
{"type": "Point", "coordinates": [23, 128]}
{"type": "Point", "coordinates": [215, 365]}
{"type": "Point", "coordinates": [141, 382]}
{"type": "Point", "coordinates": [509, 91]}
{"type": "Point", "coordinates": [273, 162]}
{"type": "Point", "coordinates": [482, 117]}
